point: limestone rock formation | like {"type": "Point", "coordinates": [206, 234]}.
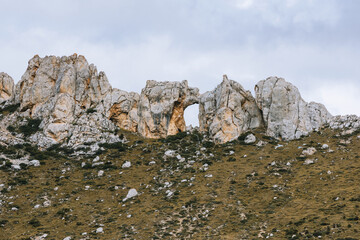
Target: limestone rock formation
{"type": "Point", "coordinates": [286, 115]}
{"type": "Point", "coordinates": [77, 105]}
{"type": "Point", "coordinates": [6, 87]}
{"type": "Point", "coordinates": [228, 111]}
{"type": "Point", "coordinates": [71, 98]}
{"type": "Point", "coordinates": [161, 108]}
{"type": "Point", "coordinates": [123, 110]}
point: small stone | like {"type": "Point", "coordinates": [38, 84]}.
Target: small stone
{"type": "Point", "coordinates": [132, 193]}
{"type": "Point", "coordinates": [250, 139]}
{"type": "Point", "coordinates": [67, 238]}
{"type": "Point", "coordinates": [42, 237]}
{"type": "Point", "coordinates": [309, 151]}
{"type": "Point", "coordinates": [309, 161]}
{"type": "Point", "coordinates": [152, 163]}
{"type": "Point", "coordinates": [126, 164]}
{"type": "Point", "coordinates": [279, 146]}
{"type": "Point", "coordinates": [35, 163]}
{"type": "Point", "coordinates": [170, 153]}
{"type": "Point", "coordinates": [100, 230]}
{"type": "Point", "coordinates": [208, 175]}
{"type": "Point", "coordinates": [325, 146]}
{"type": "Point", "coordinates": [100, 173]}
{"type": "Point", "coordinates": [37, 206]}
{"type": "Point", "coordinates": [15, 167]}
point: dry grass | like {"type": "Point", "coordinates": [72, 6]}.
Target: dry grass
{"type": "Point", "coordinates": [246, 198]}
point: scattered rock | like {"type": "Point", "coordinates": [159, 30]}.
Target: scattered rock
{"type": "Point", "coordinates": [35, 163]}
{"type": "Point", "coordinates": [132, 193]}
{"type": "Point", "coordinates": [100, 230]}
{"type": "Point", "coordinates": [308, 152]}
{"type": "Point", "coordinates": [250, 139]}
{"type": "Point", "coordinates": [126, 164]}
{"type": "Point", "coordinates": [309, 161]}
{"type": "Point", "coordinates": [100, 173]}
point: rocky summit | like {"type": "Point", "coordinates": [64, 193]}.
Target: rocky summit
{"type": "Point", "coordinates": [82, 160]}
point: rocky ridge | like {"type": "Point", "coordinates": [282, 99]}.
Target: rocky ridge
{"type": "Point", "coordinates": [67, 101]}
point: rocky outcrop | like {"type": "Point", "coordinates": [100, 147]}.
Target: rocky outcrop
{"type": "Point", "coordinates": [6, 87]}
{"type": "Point", "coordinates": [161, 108]}
{"type": "Point", "coordinates": [123, 111]}
{"type": "Point", "coordinates": [228, 111]}
{"type": "Point", "coordinates": [286, 115]}
{"type": "Point", "coordinates": [71, 98]}
{"type": "Point", "coordinates": [77, 105]}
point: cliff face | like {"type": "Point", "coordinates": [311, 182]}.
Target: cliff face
{"type": "Point", "coordinates": [76, 105]}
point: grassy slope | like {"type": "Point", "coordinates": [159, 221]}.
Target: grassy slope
{"type": "Point", "coordinates": [245, 196]}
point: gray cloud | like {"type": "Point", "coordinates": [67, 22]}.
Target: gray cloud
{"type": "Point", "coordinates": [313, 44]}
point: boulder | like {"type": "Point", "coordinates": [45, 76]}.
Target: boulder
{"type": "Point", "coordinates": [286, 115]}
{"type": "Point", "coordinates": [228, 111]}
{"type": "Point", "coordinates": [6, 87]}
{"type": "Point", "coordinates": [161, 108]}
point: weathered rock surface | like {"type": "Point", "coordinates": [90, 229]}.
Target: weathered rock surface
{"type": "Point", "coordinates": [71, 98]}
{"type": "Point", "coordinates": [228, 111]}
{"type": "Point", "coordinates": [77, 105]}
{"type": "Point", "coordinates": [285, 113]}
{"type": "Point", "coordinates": [161, 108]}
{"type": "Point", "coordinates": [123, 110]}
{"type": "Point", "coordinates": [6, 87]}
{"type": "Point", "coordinates": [345, 122]}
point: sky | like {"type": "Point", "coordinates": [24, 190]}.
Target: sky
{"type": "Point", "coordinates": [314, 44]}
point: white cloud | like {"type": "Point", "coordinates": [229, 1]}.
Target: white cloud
{"type": "Point", "coordinates": [284, 13]}
{"type": "Point", "coordinates": [244, 4]}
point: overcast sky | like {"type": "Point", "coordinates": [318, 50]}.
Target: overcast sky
{"type": "Point", "coordinates": [314, 44]}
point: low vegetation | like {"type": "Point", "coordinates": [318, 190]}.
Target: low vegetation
{"type": "Point", "coordinates": [187, 188]}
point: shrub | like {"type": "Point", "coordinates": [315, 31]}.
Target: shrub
{"type": "Point", "coordinates": [34, 222]}
{"type": "Point", "coordinates": [11, 128]}
{"type": "Point", "coordinates": [9, 109]}
{"type": "Point", "coordinates": [91, 110]}
{"type": "Point", "coordinates": [178, 136]}
{"type": "Point", "coordinates": [117, 145]}
{"type": "Point", "coordinates": [31, 127]}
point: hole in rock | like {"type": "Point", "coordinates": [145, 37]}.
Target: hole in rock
{"type": "Point", "coordinates": [191, 115]}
